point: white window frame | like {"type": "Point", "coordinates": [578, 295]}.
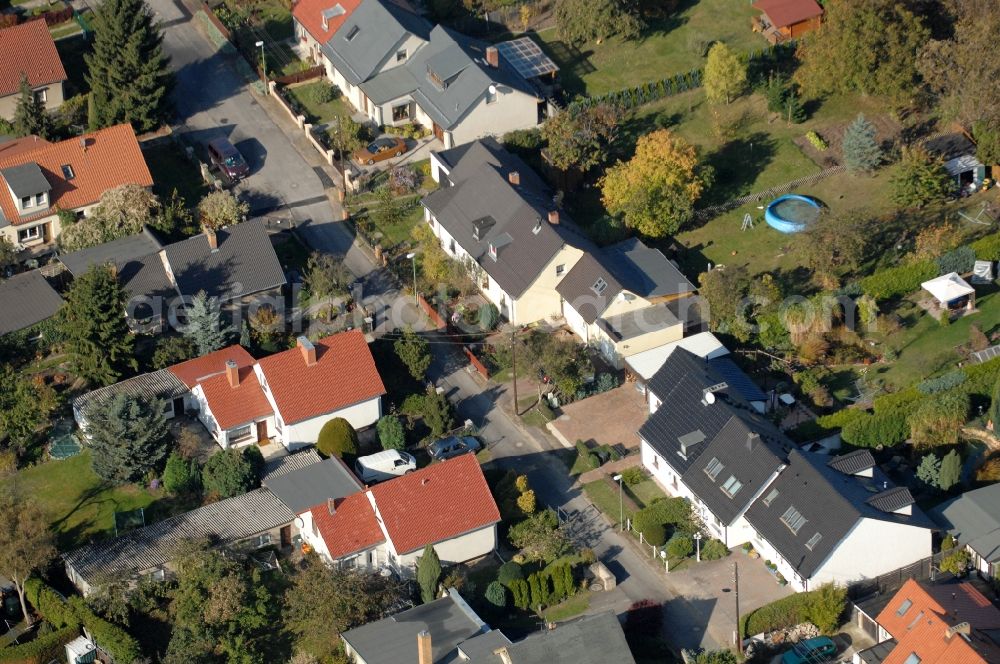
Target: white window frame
{"type": "Point", "coordinates": [732, 486]}
{"type": "Point", "coordinates": [27, 202]}
{"type": "Point", "coordinates": [713, 468]}
{"type": "Point", "coordinates": [29, 234]}
{"type": "Point", "coordinates": [264, 539]}
{"type": "Point", "coordinates": [42, 95]}
{"type": "Point", "coordinates": [40, 200]}
{"type": "Point", "coordinates": [232, 437]}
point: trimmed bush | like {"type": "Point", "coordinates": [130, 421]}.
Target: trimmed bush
{"type": "Point", "coordinates": [896, 281]}
{"type": "Point", "coordinates": [823, 607]}
{"type": "Point", "coordinates": [109, 636]}
{"type": "Point", "coordinates": [521, 594]}
{"type": "Point", "coordinates": [713, 549]}
{"type": "Point", "coordinates": [817, 141]}
{"type": "Point", "coordinates": [496, 594]}
{"type": "Point", "coordinates": [634, 475]}
{"type": "Point", "coordinates": [587, 459]}
{"type": "Point", "coordinates": [987, 248]}
{"type": "Point", "coordinates": [960, 260]}
{"type": "Point", "coordinates": [671, 511]}
{"type": "Point", "coordinates": [509, 572]}
{"type": "Point", "coordinates": [680, 546]}
{"type": "Point", "coordinates": [337, 438]}
{"type": "Point", "coordinates": [652, 527]}
{"type": "Point", "coordinates": [943, 382]}
{"type": "Point", "coordinates": [825, 425]}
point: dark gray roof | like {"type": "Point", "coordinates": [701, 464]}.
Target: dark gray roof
{"type": "Point", "coordinates": [449, 620]}
{"type": "Point", "coordinates": [383, 26]}
{"type": "Point", "coordinates": [974, 519]}
{"type": "Point", "coordinates": [577, 287]}
{"type": "Point", "coordinates": [892, 500]}
{"type": "Point", "coordinates": [479, 649]}
{"type": "Point", "coordinates": [26, 299]}
{"type": "Point", "coordinates": [852, 463]}
{"type": "Point", "coordinates": [481, 188]}
{"type": "Point", "coordinates": [831, 503]}
{"type": "Point", "coordinates": [146, 277]}
{"type": "Point", "coordinates": [225, 522]}
{"type": "Point", "coordinates": [160, 384]}
{"type": "Point", "coordinates": [244, 263]}
{"type": "Point", "coordinates": [877, 653]}
{"type": "Point", "coordinates": [26, 179]}
{"type": "Point", "coordinates": [596, 639]}
{"type": "Point", "coordinates": [276, 466]}
{"type": "Point", "coordinates": [737, 379]}
{"type": "Point", "coordinates": [313, 484]}
{"type": "Point", "coordinates": [119, 252]}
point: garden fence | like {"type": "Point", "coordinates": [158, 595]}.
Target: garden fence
{"type": "Point", "coordinates": [756, 197]}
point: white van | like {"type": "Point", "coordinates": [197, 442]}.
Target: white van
{"type": "Point", "coordinates": [384, 466]}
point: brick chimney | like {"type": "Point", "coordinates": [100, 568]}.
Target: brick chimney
{"type": "Point", "coordinates": [331, 506]}
{"type": "Point", "coordinates": [424, 654]}
{"type": "Point", "coordinates": [504, 655]}
{"type": "Point", "coordinates": [232, 373]}
{"type": "Point", "coordinates": [308, 350]}
{"type": "Point", "coordinates": [213, 240]}
{"type": "Point", "coordinates": [492, 56]}
{"type": "Point", "coordinates": [514, 178]}
{"type": "Point", "coordinates": [553, 217]}
{"type": "Point", "coordinates": [960, 628]}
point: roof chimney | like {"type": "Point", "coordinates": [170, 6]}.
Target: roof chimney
{"type": "Point", "coordinates": [960, 628]}
{"type": "Point", "coordinates": [752, 439]}
{"type": "Point", "coordinates": [308, 350]}
{"type": "Point", "coordinates": [213, 239]}
{"type": "Point", "coordinates": [232, 373]}
{"type": "Point", "coordinates": [424, 655]}
{"type": "Point", "coordinates": [424, 482]}
{"type": "Point", "coordinates": [553, 217]}
{"type": "Point", "coordinates": [492, 56]}
{"type": "Point", "coordinates": [331, 506]}
{"type": "Point", "coordinates": [83, 143]}
{"type": "Point", "coordinates": [504, 655]}
{"type": "Point", "coordinates": [514, 178]}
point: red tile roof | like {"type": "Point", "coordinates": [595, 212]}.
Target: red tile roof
{"type": "Point", "coordinates": [192, 371]}
{"type": "Point", "coordinates": [440, 502]}
{"type": "Point", "coordinates": [233, 406]}
{"type": "Point", "coordinates": [344, 374]}
{"type": "Point", "coordinates": [19, 145]}
{"type": "Point", "coordinates": [310, 14]}
{"type": "Point", "coordinates": [351, 528]}
{"type": "Point", "coordinates": [28, 50]}
{"type": "Point", "coordinates": [784, 13]}
{"type": "Point", "coordinates": [100, 161]}
{"type": "Point", "coordinates": [922, 629]}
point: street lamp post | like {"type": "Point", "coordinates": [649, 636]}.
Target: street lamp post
{"type": "Point", "coordinates": [666, 563]}
{"type": "Point", "coordinates": [621, 508]}
{"type": "Point", "coordinates": [697, 543]}
{"type": "Point", "coordinates": [413, 259]}
{"type": "Point", "coordinates": [263, 65]}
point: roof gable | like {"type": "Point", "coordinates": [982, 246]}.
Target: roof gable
{"type": "Point", "coordinates": [197, 369]}
{"type": "Point", "coordinates": [232, 406]}
{"type": "Point", "coordinates": [348, 525]}
{"type": "Point", "coordinates": [311, 13]}
{"type": "Point", "coordinates": [26, 299]}
{"type": "Point", "coordinates": [28, 50]}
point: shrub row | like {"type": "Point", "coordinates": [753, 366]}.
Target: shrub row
{"type": "Point", "coordinates": [823, 607]}
{"type": "Point", "coordinates": [44, 649]}
{"type": "Point", "coordinates": [960, 260]}
{"type": "Point", "coordinates": [943, 382]}
{"type": "Point", "coordinates": [546, 587]}
{"type": "Point", "coordinates": [987, 248]}
{"type": "Point", "coordinates": [900, 280]}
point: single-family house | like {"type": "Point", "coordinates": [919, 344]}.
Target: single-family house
{"type": "Point", "coordinates": [494, 214]}
{"type": "Point", "coordinates": [706, 442]}
{"type": "Point", "coordinates": [447, 505]}
{"type": "Point", "coordinates": [26, 299]}
{"type": "Point", "coordinates": [781, 20]}
{"type": "Point", "coordinates": [973, 519]}
{"type": "Point", "coordinates": [68, 176]}
{"type": "Point", "coordinates": [396, 68]}
{"type": "Point", "coordinates": [949, 623]}
{"type": "Point", "coordinates": [618, 299]}
{"type": "Point", "coordinates": [29, 54]}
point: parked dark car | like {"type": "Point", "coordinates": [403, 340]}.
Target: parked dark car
{"type": "Point", "coordinates": [380, 149]}
{"type": "Point", "coordinates": [452, 446]}
{"type": "Point", "coordinates": [224, 154]}
{"type": "Point", "coordinates": [811, 651]}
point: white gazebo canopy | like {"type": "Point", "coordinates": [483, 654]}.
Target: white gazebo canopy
{"type": "Point", "coordinates": [948, 288]}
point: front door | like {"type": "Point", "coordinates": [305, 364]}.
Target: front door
{"type": "Point", "coordinates": [438, 132]}
{"type": "Point", "coordinates": [262, 431]}
{"type": "Point", "coordinates": [178, 406]}
{"type": "Point", "coordinates": [286, 536]}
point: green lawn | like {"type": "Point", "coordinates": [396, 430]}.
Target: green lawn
{"type": "Point", "coordinates": [645, 492]}
{"type": "Point", "coordinates": [79, 506]}
{"type": "Point", "coordinates": [318, 112]}
{"type": "Point", "coordinates": [676, 44]}
{"type": "Point", "coordinates": [568, 608]}
{"type": "Point", "coordinates": [71, 27]}
{"type": "Point", "coordinates": [171, 169]}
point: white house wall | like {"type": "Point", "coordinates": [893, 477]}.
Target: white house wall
{"type": "Point", "coordinates": [541, 300]}
{"type": "Point", "coordinates": [576, 323]}
{"type": "Point", "coordinates": [898, 545]}
{"type": "Point", "coordinates": [304, 433]}
{"type": "Point", "coordinates": [459, 549]}
{"type": "Point", "coordinates": [411, 43]}
{"type": "Point", "coordinates": [512, 110]}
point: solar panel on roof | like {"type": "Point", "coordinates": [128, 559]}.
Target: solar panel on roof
{"type": "Point", "coordinates": [525, 56]}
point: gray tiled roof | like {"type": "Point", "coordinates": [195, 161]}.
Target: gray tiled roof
{"type": "Point", "coordinates": [26, 299]}
{"type": "Point", "coordinates": [831, 503]}
{"type": "Point", "coordinates": [596, 639]}
{"type": "Point", "coordinates": [160, 384]}
{"type": "Point", "coordinates": [892, 499]}
{"type": "Point", "coordinates": [383, 26]}
{"type": "Point", "coordinates": [225, 522]}
{"type": "Point", "coordinates": [120, 252]}
{"type": "Point", "coordinates": [245, 262]}
{"type": "Point", "coordinates": [737, 379]}
{"type": "Point", "coordinates": [481, 188]}
{"type": "Point", "coordinates": [313, 484]}
{"type": "Point", "coordinates": [576, 288]}
{"type": "Point", "coordinates": [852, 463]}
{"type": "Point", "coordinates": [974, 519]}
{"type": "Point", "coordinates": [277, 466]}
{"type": "Point", "coordinates": [26, 179]}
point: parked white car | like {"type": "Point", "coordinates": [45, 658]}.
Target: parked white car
{"type": "Point", "coordinates": [384, 466]}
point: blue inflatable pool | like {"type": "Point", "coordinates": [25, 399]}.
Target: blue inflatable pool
{"type": "Point", "coordinates": [791, 213]}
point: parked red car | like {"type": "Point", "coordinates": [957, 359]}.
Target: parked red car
{"type": "Point", "coordinates": [380, 149]}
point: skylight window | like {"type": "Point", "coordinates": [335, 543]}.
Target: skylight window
{"type": "Point", "coordinates": [793, 519]}
{"type": "Point", "coordinates": [67, 172]}
{"type": "Point", "coordinates": [904, 607]}
{"type": "Point", "coordinates": [813, 541]}
{"type": "Point", "coordinates": [713, 468]}
{"type": "Point", "coordinates": [352, 33]}
{"type": "Point", "coordinates": [769, 498]}
{"type": "Point", "coordinates": [599, 286]}
{"type": "Point", "coordinates": [914, 658]}
{"type": "Point", "coordinates": [732, 486]}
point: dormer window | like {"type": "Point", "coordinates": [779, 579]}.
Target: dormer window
{"type": "Point", "coordinates": [67, 172]}
{"type": "Point", "coordinates": [599, 286]}
{"type": "Point", "coordinates": [493, 251]}
{"type": "Point", "coordinates": [27, 202]}
{"type": "Point", "coordinates": [352, 33]}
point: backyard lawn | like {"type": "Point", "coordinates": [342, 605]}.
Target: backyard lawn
{"type": "Point", "coordinates": [78, 504]}
{"type": "Point", "coordinates": [318, 112]}
{"type": "Point", "coordinates": [670, 46]}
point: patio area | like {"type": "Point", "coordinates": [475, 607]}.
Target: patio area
{"type": "Point", "coordinates": [611, 418]}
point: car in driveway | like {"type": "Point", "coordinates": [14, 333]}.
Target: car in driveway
{"type": "Point", "coordinates": [228, 159]}
{"type": "Point", "coordinates": [380, 149]}
{"type": "Point", "coordinates": [452, 446]}
{"type": "Point", "coordinates": [816, 650]}
{"type": "Point", "coordinates": [384, 466]}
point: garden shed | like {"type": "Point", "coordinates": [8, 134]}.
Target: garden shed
{"type": "Point", "coordinates": [951, 292]}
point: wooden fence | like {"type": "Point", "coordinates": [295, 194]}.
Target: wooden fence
{"type": "Point", "coordinates": [432, 313]}
{"type": "Point", "coordinates": [476, 362]}
{"type": "Point", "coordinates": [298, 77]}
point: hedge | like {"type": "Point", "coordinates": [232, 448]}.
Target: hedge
{"type": "Point", "coordinates": [987, 248]}
{"type": "Point", "coordinates": [900, 280]}
{"type": "Point", "coordinates": [49, 603]}
{"type": "Point", "coordinates": [826, 425]}
{"type": "Point", "coordinates": [960, 260]}
{"type": "Point", "coordinates": [785, 612]}
{"type": "Point", "coordinates": [42, 650]}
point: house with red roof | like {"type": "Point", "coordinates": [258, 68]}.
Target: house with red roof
{"type": "Point", "coordinates": [949, 623]}
{"type": "Point", "coordinates": [39, 182]}
{"type": "Point", "coordinates": [782, 20]}
{"type": "Point", "coordinates": [28, 52]}
{"type": "Point", "coordinates": [447, 505]}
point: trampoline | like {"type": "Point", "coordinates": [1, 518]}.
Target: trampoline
{"type": "Point", "coordinates": [791, 213]}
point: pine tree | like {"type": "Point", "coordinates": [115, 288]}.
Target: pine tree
{"type": "Point", "coordinates": [205, 325]}
{"type": "Point", "coordinates": [128, 72]}
{"type": "Point", "coordinates": [861, 149]}
{"type": "Point", "coordinates": [94, 326]}
{"type": "Point", "coordinates": [795, 112]}
{"type": "Point", "coordinates": [128, 435]}
{"type": "Point", "coordinates": [929, 470]}
{"type": "Point", "coordinates": [428, 574]}
{"type": "Point", "coordinates": [245, 340]}
{"type": "Point", "coordinates": [30, 116]}
{"type": "Point", "coordinates": [951, 470]}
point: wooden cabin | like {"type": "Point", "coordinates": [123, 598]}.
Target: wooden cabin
{"type": "Point", "coordinates": [781, 20]}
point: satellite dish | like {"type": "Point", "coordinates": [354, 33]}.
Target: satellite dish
{"type": "Point", "coordinates": [493, 89]}
{"type": "Point", "coordinates": [710, 397]}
